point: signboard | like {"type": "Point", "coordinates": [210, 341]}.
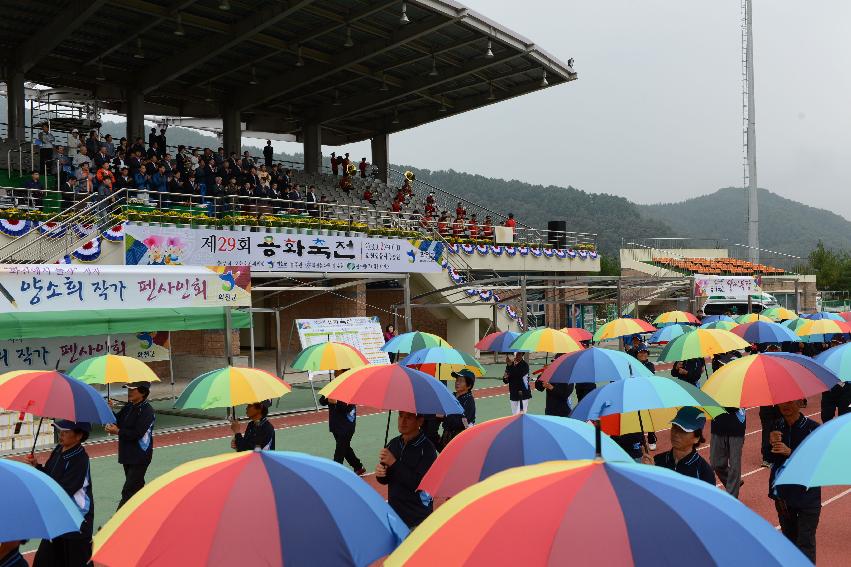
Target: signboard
{"type": "Point", "coordinates": [264, 251]}
{"type": "Point", "coordinates": [68, 287]}
{"type": "Point", "coordinates": [64, 352]}
{"type": "Point", "coordinates": [363, 333]}
{"type": "Point", "coordinates": [734, 287]}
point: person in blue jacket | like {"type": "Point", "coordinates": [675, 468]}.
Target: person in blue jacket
{"type": "Point", "coordinates": [134, 426]}
{"type": "Point", "coordinates": [686, 437]}
{"type": "Point", "coordinates": [68, 465]}
{"type": "Point", "coordinates": [342, 421]}
{"type": "Point", "coordinates": [259, 433]}
{"type": "Point", "coordinates": [454, 424]}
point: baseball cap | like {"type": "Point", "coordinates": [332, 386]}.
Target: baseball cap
{"type": "Point", "coordinates": [134, 385]}
{"type": "Point", "coordinates": [689, 419]}
{"type": "Point", "coordinates": [65, 424]}
{"type": "Point", "coordinates": [464, 373]}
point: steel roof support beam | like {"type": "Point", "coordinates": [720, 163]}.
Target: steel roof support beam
{"type": "Point", "coordinates": [60, 28]}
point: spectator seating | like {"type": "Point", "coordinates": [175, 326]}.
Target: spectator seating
{"type": "Point", "coordinates": [716, 266]}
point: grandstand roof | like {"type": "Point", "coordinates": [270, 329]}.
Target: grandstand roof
{"type": "Point", "coordinates": [294, 52]}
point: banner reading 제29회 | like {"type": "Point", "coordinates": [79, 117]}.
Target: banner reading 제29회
{"type": "Point", "coordinates": [62, 287]}
{"type": "Point", "coordinates": [266, 251]}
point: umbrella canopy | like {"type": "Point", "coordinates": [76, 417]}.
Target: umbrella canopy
{"type": "Point", "coordinates": [821, 315]}
{"type": "Point", "coordinates": [329, 356]}
{"type": "Point", "coordinates": [252, 508]}
{"type": "Point", "coordinates": [700, 344]}
{"type": "Point", "coordinates": [780, 314]}
{"type": "Point", "coordinates": [672, 317]}
{"type": "Point", "coordinates": [413, 341]}
{"type": "Point", "coordinates": [593, 365]}
{"type": "Point", "coordinates": [846, 316]}
{"type": "Point", "coordinates": [577, 334]}
{"type": "Point", "coordinates": [621, 328]}
{"type": "Point", "coordinates": [111, 369]}
{"type": "Point", "coordinates": [641, 393]}
{"type": "Point", "coordinates": [514, 441]}
{"type": "Point", "coordinates": [760, 332]}
{"type": "Point", "coordinates": [497, 342]}
{"type": "Point", "coordinates": [714, 318]}
{"type": "Point", "coordinates": [768, 379]}
{"type": "Point", "coordinates": [823, 327]}
{"type": "Point", "coordinates": [723, 325]}
{"type": "Point", "coordinates": [669, 332]}
{"type": "Point", "coordinates": [837, 360]}
{"type": "Point", "coordinates": [35, 505]}
{"type": "Point", "coordinates": [594, 513]}
{"type": "Point", "coordinates": [443, 356]}
{"type": "Point", "coordinates": [392, 387]}
{"type": "Point", "coordinates": [794, 324]}
{"type": "Point", "coordinates": [822, 458]}
{"type": "Point", "coordinates": [651, 420]}
{"type": "Point", "coordinates": [751, 317]}
{"type": "Point", "coordinates": [545, 339]}
{"type": "Point", "coordinates": [48, 393]}
{"type": "Point", "coordinates": [231, 386]}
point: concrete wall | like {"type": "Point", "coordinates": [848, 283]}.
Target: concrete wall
{"type": "Point", "coordinates": [634, 261]}
{"type": "Point", "coordinates": [529, 263]}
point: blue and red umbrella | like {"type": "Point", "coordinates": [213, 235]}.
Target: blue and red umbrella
{"type": "Point", "coordinates": [498, 342]}
{"type": "Point", "coordinates": [760, 332]}
{"type": "Point", "coordinates": [48, 393]}
{"type": "Point", "coordinates": [594, 364]}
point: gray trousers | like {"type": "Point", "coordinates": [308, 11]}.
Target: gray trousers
{"type": "Point", "coordinates": [725, 456]}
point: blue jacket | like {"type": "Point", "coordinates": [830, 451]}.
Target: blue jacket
{"type": "Point", "coordinates": [136, 433]}
{"type": "Point", "coordinates": [140, 181]}
{"type": "Point", "coordinates": [453, 424]}
{"type": "Point", "coordinates": [158, 182]}
{"type": "Point", "coordinates": [71, 471]}
{"type": "Point", "coordinates": [795, 495]}
{"type": "Point", "coordinates": [692, 465]}
{"type": "Point", "coordinates": [260, 434]}
{"type": "Point", "coordinates": [342, 417]}
{"type": "Point", "coordinates": [412, 463]}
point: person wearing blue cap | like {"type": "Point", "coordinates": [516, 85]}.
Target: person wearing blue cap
{"type": "Point", "coordinates": [68, 465]}
{"type": "Point", "coordinates": [686, 437]}
{"type": "Point", "coordinates": [454, 424]}
{"type": "Point", "coordinates": [259, 433]}
{"type": "Point", "coordinates": [134, 426]}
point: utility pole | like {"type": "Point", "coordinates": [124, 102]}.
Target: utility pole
{"type": "Point", "coordinates": [749, 117]}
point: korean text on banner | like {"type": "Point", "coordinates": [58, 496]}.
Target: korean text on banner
{"type": "Point", "coordinates": [263, 251]}
{"type": "Point", "coordinates": [732, 286]}
{"type": "Point", "coordinates": [57, 287]}
{"type": "Point", "coordinates": [64, 352]}
{"type": "Point", "coordinates": [363, 333]}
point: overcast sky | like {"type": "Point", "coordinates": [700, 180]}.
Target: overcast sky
{"type": "Point", "coordinates": [656, 112]}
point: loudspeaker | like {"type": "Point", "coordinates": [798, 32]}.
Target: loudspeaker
{"type": "Point", "coordinates": [556, 236]}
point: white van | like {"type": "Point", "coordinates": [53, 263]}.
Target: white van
{"type": "Point", "coordinates": [738, 305]}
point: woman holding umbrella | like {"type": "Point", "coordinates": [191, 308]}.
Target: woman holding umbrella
{"type": "Point", "coordinates": [686, 437]}
{"type": "Point", "coordinates": [517, 377]}
{"type": "Point", "coordinates": [68, 465]}
{"type": "Point", "coordinates": [465, 380]}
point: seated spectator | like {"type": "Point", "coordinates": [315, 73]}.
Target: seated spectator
{"type": "Point", "coordinates": [105, 188]}
{"type": "Point", "coordinates": [135, 162]}
{"type": "Point", "coordinates": [362, 167]}
{"type": "Point", "coordinates": [396, 206]}
{"type": "Point", "coordinates": [92, 143]}
{"type": "Point", "coordinates": [458, 227]}
{"type": "Point", "coordinates": [426, 221]}
{"type": "Point", "coordinates": [460, 211]}
{"type": "Point", "coordinates": [346, 183]}
{"type": "Point", "coordinates": [247, 161]}
{"type": "Point", "coordinates": [109, 145]}
{"type": "Point", "coordinates": [191, 187]}
{"type": "Point", "coordinates": [153, 151]}
{"type": "Point", "coordinates": [101, 157]}
{"type": "Point", "coordinates": [104, 174]}
{"type": "Point", "coordinates": [124, 180]}
{"type": "Point", "coordinates": [311, 200]}
{"type": "Point", "coordinates": [142, 180]}
{"type": "Point", "coordinates": [119, 161]}
{"type": "Point", "coordinates": [69, 192]}
{"type": "Point", "coordinates": [159, 180]}
{"type": "Point", "coordinates": [138, 146]}
{"type": "Point", "coordinates": [294, 200]}
{"type": "Point", "coordinates": [63, 163]}
{"type": "Point", "coordinates": [487, 228]}
{"type": "Point", "coordinates": [81, 158]}
{"type": "Point", "coordinates": [473, 227]}
{"type": "Point", "coordinates": [510, 222]}
{"type": "Point", "coordinates": [368, 197]}
{"type": "Point", "coordinates": [86, 181]}
{"type": "Point", "coordinates": [264, 175]}
{"type": "Point", "coordinates": [430, 198]}
{"type": "Point", "coordinates": [429, 208]}
{"type": "Point", "coordinates": [443, 224]}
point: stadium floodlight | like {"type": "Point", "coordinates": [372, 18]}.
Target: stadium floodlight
{"type": "Point", "coordinates": [433, 72]}
{"type": "Point", "coordinates": [403, 19]}
{"type": "Point", "coordinates": [140, 53]}
{"type": "Point", "coordinates": [489, 52]}
{"type": "Point", "coordinates": [544, 82]}
{"type": "Point", "coordinates": [178, 31]}
{"type": "Point", "coordinates": [396, 116]}
{"type": "Point", "coordinates": [300, 61]}
{"type": "Point", "coordinates": [349, 42]}
{"type": "Point", "coordinates": [253, 80]}
{"type": "Point", "coordinates": [491, 95]}
{"type": "Point", "coordinates": [101, 76]}
{"type": "Point", "coordinates": [224, 5]}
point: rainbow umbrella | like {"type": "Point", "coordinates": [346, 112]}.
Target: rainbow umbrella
{"type": "Point", "coordinates": [546, 340]}
{"type": "Point", "coordinates": [514, 441]}
{"type": "Point", "coordinates": [413, 341]}
{"type": "Point", "coordinates": [821, 315]}
{"type": "Point", "coordinates": [48, 393]}
{"type": "Point", "coordinates": [794, 324]}
{"type": "Point", "coordinates": [723, 325]}
{"type": "Point", "coordinates": [714, 318]}
{"type": "Point", "coordinates": [837, 360]}
{"type": "Point", "coordinates": [760, 332]}
{"type": "Point", "coordinates": [641, 393]}
{"type": "Point", "coordinates": [823, 327]}
{"type": "Point", "coordinates": [329, 356]}
{"type": "Point", "coordinates": [593, 365]}
{"type": "Point", "coordinates": [252, 508]}
{"type": "Point", "coordinates": [669, 332]}
{"type": "Point", "coordinates": [846, 316]}
{"type": "Point", "coordinates": [112, 369]}
{"type": "Point", "coordinates": [768, 379]}
{"type": "Point", "coordinates": [645, 420]}
{"type": "Point", "coordinates": [594, 513]}
{"type": "Point", "coordinates": [700, 344]}
{"type": "Point", "coordinates": [673, 317]}
{"type": "Point", "coordinates": [621, 328]}
{"type": "Point", "coordinates": [497, 342]}
{"type": "Point", "coordinates": [578, 334]}
{"type": "Point", "coordinates": [752, 317]}
{"type": "Point", "coordinates": [780, 314]}
{"type": "Point", "coordinates": [822, 459]}
{"type": "Point", "coordinates": [441, 362]}
{"type": "Point", "coordinates": [231, 386]}
{"type": "Point", "coordinates": [34, 504]}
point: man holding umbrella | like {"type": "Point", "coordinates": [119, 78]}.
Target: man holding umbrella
{"type": "Point", "coordinates": [259, 433]}
{"type": "Point", "coordinates": [517, 377]}
{"type": "Point", "coordinates": [68, 465]}
{"type": "Point", "coordinates": [134, 425]}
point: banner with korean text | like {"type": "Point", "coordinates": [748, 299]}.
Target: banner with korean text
{"type": "Point", "coordinates": [272, 251]}
{"type": "Point", "coordinates": [70, 287]}
{"type": "Point", "coordinates": [64, 352]}
{"type": "Point", "coordinates": [731, 286]}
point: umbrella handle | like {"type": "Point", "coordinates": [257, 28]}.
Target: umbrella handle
{"type": "Point", "coordinates": [35, 437]}
{"type": "Point", "coordinates": [598, 440]}
{"type": "Point", "coordinates": [387, 429]}
{"type": "Point", "coordinates": [643, 438]}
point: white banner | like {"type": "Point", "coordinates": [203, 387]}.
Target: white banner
{"type": "Point", "coordinates": [734, 287]}
{"type": "Point", "coordinates": [271, 252]}
{"type": "Point", "coordinates": [69, 287]}
{"type": "Point", "coordinates": [64, 352]}
{"type": "Point", "coordinates": [363, 333]}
